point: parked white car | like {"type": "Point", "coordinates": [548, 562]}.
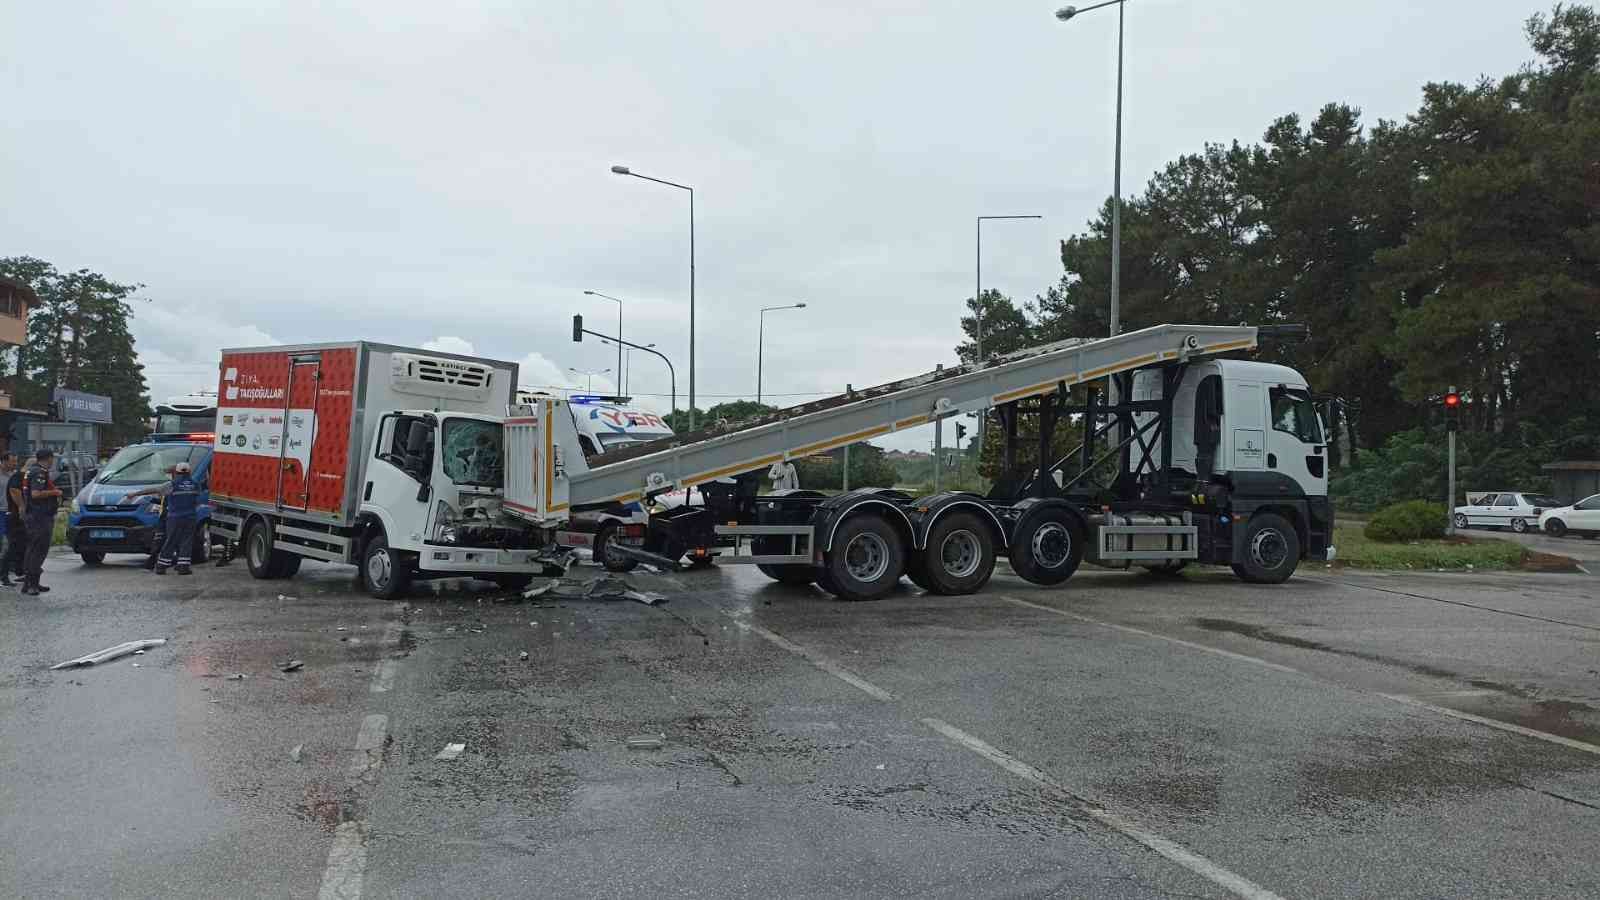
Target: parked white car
{"type": "Point", "coordinates": [1582, 518]}
{"type": "Point", "coordinates": [1505, 509]}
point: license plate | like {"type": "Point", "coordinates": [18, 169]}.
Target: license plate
{"type": "Point", "coordinates": [105, 534]}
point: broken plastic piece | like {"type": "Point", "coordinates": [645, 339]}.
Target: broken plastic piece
{"type": "Point", "coordinates": [238, 676]}
{"type": "Point", "coordinates": [451, 751]}
{"type": "Point", "coordinates": [647, 742]}
{"type": "Point", "coordinates": [110, 653]}
{"type": "Point", "coordinates": [293, 665]}
{"type": "Point", "coordinates": [294, 755]}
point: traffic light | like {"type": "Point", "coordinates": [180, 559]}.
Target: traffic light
{"type": "Point", "coordinates": [577, 329]}
{"type": "Point", "coordinates": [1452, 411]}
{"type": "Point", "coordinates": [961, 432]}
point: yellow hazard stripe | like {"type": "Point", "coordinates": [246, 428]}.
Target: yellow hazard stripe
{"type": "Point", "coordinates": [840, 441]}
{"type": "Point", "coordinates": [1231, 345]}
{"type": "Point", "coordinates": [907, 423]}
{"type": "Point", "coordinates": [733, 469]}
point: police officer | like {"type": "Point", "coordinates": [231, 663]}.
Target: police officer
{"type": "Point", "coordinates": [182, 507]}
{"type": "Point", "coordinates": [16, 530]}
{"type": "Point", "coordinates": [40, 500]}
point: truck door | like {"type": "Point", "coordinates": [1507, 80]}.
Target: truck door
{"type": "Point", "coordinates": [298, 432]}
{"type": "Point", "coordinates": [1296, 446]}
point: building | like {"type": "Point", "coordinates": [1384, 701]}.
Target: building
{"type": "Point", "coordinates": [1575, 479]}
{"type": "Point", "coordinates": [16, 298]}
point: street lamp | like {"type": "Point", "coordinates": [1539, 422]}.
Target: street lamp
{"type": "Point", "coordinates": [624, 170]}
{"type": "Point", "coordinates": [627, 370]}
{"type": "Point", "coordinates": [1066, 13]}
{"type": "Point", "coordinates": [977, 310]}
{"type": "Point", "coordinates": [621, 388]}
{"type": "Point", "coordinates": [761, 340]}
{"type": "Point", "coordinates": [590, 374]}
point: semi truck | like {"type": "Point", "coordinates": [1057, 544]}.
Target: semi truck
{"type": "Point", "coordinates": [410, 463]}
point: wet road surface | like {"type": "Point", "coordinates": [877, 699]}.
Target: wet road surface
{"type": "Point", "coordinates": [1342, 735]}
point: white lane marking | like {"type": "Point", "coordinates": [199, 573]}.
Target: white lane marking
{"type": "Point", "coordinates": [347, 863]}
{"type": "Point", "coordinates": [450, 751]}
{"type": "Point", "coordinates": [818, 660]}
{"type": "Point", "coordinates": [1398, 698]}
{"type": "Point", "coordinates": [1194, 862]}
{"type": "Point", "coordinates": [1128, 629]}
{"type": "Point", "coordinates": [1496, 723]}
{"type": "Point", "coordinates": [383, 679]}
{"type": "Point", "coordinates": [373, 728]}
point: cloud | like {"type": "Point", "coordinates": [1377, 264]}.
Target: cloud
{"type": "Point", "coordinates": [450, 344]}
{"type": "Point", "coordinates": [180, 345]}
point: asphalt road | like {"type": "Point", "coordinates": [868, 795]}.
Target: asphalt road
{"type": "Point", "coordinates": [1124, 736]}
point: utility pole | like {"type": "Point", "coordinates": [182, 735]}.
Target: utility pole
{"type": "Point", "coordinates": [1452, 421]}
{"type": "Point", "coordinates": [847, 467]}
{"type": "Point", "coordinates": [938, 452]}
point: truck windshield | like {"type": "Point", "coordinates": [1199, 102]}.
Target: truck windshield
{"type": "Point", "coordinates": [186, 423]}
{"type": "Point", "coordinates": [1295, 413]}
{"type": "Point", "coordinates": [472, 452]}
{"type": "Point", "coordinates": [148, 463]}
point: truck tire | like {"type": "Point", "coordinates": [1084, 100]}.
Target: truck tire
{"type": "Point", "coordinates": [789, 574]}
{"type": "Point", "coordinates": [386, 572]}
{"type": "Point", "coordinates": [959, 557]}
{"type": "Point", "coordinates": [867, 559]}
{"type": "Point", "coordinates": [914, 572]}
{"type": "Point", "coordinates": [1048, 546]}
{"type": "Point", "coordinates": [602, 540]}
{"type": "Point", "coordinates": [201, 551]}
{"type": "Point", "coordinates": [1271, 550]}
{"type": "Point", "coordinates": [261, 558]}
{"type": "Point", "coordinates": [92, 557]}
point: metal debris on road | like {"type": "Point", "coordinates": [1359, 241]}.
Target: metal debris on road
{"type": "Point", "coordinates": [606, 587]}
{"type": "Point", "coordinates": [647, 742]}
{"type": "Point", "coordinates": [294, 755]}
{"type": "Point", "coordinates": [451, 751]}
{"type": "Point", "coordinates": [110, 653]}
{"type": "Point", "coordinates": [293, 665]}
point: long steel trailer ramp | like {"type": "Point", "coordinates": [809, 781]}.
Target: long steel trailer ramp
{"type": "Point", "coordinates": [693, 459]}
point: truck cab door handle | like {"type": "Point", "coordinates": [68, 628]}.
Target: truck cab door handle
{"type": "Point", "coordinates": [1272, 460]}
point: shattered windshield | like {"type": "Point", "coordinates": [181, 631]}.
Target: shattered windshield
{"type": "Point", "coordinates": [472, 452]}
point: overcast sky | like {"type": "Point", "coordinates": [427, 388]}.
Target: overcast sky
{"type": "Point", "coordinates": [439, 172]}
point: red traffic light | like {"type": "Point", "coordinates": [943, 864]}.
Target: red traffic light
{"type": "Point", "coordinates": [1452, 400]}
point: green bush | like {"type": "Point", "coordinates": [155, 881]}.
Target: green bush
{"type": "Point", "coordinates": [1413, 520]}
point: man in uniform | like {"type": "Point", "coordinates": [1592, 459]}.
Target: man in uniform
{"type": "Point", "coordinates": [16, 532]}
{"type": "Point", "coordinates": [8, 465]}
{"type": "Point", "coordinates": [182, 507]}
{"type": "Point", "coordinates": [40, 500]}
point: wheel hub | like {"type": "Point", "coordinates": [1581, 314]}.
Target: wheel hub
{"type": "Point", "coordinates": [378, 568]}
{"type": "Point", "coordinates": [1052, 545]}
{"type": "Point", "coordinates": [866, 557]}
{"type": "Point", "coordinates": [1268, 548]}
{"type": "Point", "coordinates": [960, 553]}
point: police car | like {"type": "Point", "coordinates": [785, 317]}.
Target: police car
{"type": "Point", "coordinates": [100, 522]}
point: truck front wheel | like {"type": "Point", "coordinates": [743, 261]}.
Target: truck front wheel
{"type": "Point", "coordinates": [867, 559]}
{"type": "Point", "coordinates": [1271, 550]}
{"type": "Point", "coordinates": [1048, 547]}
{"type": "Point", "coordinates": [386, 572]}
{"type": "Point", "coordinates": [604, 539]}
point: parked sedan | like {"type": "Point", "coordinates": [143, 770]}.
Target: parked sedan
{"type": "Point", "coordinates": [1507, 509]}
{"type": "Point", "coordinates": [1582, 518]}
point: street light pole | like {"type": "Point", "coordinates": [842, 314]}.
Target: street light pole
{"type": "Point", "coordinates": [1064, 14]}
{"type": "Point", "coordinates": [622, 387]}
{"type": "Point", "coordinates": [624, 170]}
{"type": "Point", "coordinates": [578, 330]}
{"type": "Point", "coordinates": [977, 303]}
{"type": "Point", "coordinates": [761, 341]}
{"type": "Point", "coordinates": [589, 373]}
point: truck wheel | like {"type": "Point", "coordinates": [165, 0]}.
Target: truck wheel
{"type": "Point", "coordinates": [258, 552]}
{"type": "Point", "coordinates": [914, 571]}
{"type": "Point", "coordinates": [602, 550]}
{"type": "Point", "coordinates": [789, 574]}
{"type": "Point", "coordinates": [960, 555]}
{"type": "Point", "coordinates": [1556, 528]}
{"type": "Point", "coordinates": [92, 557]}
{"type": "Point", "coordinates": [202, 543]}
{"type": "Point", "coordinates": [1271, 550]}
{"type": "Point", "coordinates": [388, 575]}
{"type": "Point", "coordinates": [1048, 547]}
{"type": "Point", "coordinates": [867, 558]}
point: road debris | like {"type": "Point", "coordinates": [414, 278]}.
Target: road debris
{"type": "Point", "coordinates": [647, 742]}
{"type": "Point", "coordinates": [237, 676]}
{"type": "Point", "coordinates": [606, 587]}
{"type": "Point", "coordinates": [451, 751]}
{"type": "Point", "coordinates": [294, 755]}
{"type": "Point", "coordinates": [523, 656]}
{"type": "Point", "coordinates": [293, 665]}
{"type": "Point", "coordinates": [110, 653]}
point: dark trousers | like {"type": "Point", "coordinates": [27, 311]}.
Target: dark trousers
{"type": "Point", "coordinates": [39, 529]}
{"type": "Point", "coordinates": [179, 543]}
{"type": "Point", "coordinates": [16, 547]}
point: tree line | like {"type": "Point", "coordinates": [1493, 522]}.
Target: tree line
{"type": "Point", "coordinates": [78, 339]}
{"type": "Point", "coordinates": [1460, 246]}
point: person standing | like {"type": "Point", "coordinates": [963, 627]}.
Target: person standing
{"type": "Point", "coordinates": [16, 527]}
{"type": "Point", "coordinates": [40, 500]}
{"type": "Point", "coordinates": [8, 466]}
{"type": "Point", "coordinates": [785, 477]}
{"type": "Point", "coordinates": [182, 508]}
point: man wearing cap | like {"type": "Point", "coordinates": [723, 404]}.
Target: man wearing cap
{"type": "Point", "coordinates": [182, 507]}
{"type": "Point", "coordinates": [40, 500]}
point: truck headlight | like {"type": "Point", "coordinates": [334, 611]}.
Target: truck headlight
{"type": "Point", "coordinates": [445, 518]}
